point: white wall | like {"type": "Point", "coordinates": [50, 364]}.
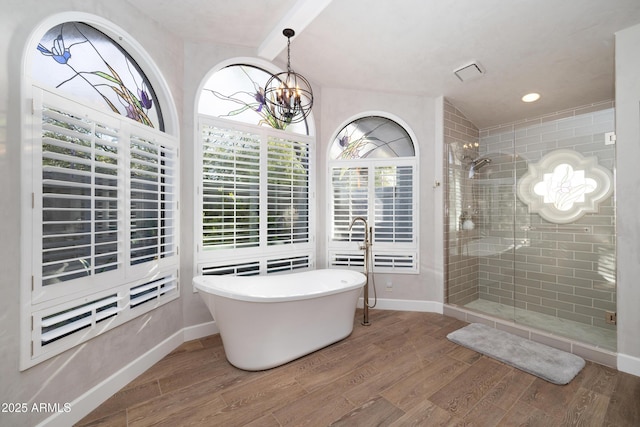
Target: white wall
{"type": "Point", "coordinates": [67, 376]}
{"type": "Point", "coordinates": [628, 202]}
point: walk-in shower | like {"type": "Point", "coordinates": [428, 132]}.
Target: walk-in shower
{"type": "Point", "coordinates": [530, 223]}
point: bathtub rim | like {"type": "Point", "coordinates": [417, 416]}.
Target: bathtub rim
{"type": "Point", "coordinates": [234, 290]}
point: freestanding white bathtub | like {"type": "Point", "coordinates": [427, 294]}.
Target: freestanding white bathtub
{"type": "Point", "coordinates": [266, 321]}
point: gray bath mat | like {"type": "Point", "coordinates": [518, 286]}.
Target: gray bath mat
{"type": "Point", "coordinates": [553, 365]}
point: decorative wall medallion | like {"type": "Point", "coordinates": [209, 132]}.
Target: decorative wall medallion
{"type": "Point", "coordinates": [564, 185]}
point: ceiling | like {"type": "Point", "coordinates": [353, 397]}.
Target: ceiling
{"type": "Point", "coordinates": [562, 49]}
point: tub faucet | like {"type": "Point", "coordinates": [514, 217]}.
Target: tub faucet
{"type": "Point", "coordinates": [366, 247]}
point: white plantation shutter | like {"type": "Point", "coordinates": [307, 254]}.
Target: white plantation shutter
{"type": "Point", "coordinates": [350, 198]}
{"type": "Point", "coordinates": [153, 200]}
{"type": "Point", "coordinates": [105, 220]}
{"type": "Point", "coordinates": [288, 191]}
{"type": "Point", "coordinates": [393, 204]}
{"type": "Point", "coordinates": [62, 324]}
{"type": "Point", "coordinates": [384, 192]}
{"type": "Point", "coordinates": [81, 231]}
{"type": "Point", "coordinates": [230, 188]}
{"type": "Point", "coordinates": [256, 186]}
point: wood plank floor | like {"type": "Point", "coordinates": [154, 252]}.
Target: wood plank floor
{"type": "Point", "coordinates": [400, 371]}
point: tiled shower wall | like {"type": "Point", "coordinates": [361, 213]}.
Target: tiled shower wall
{"type": "Point", "coordinates": [563, 270]}
{"type": "Point", "coordinates": [461, 147]}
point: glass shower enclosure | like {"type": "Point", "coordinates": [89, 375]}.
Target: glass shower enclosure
{"type": "Point", "coordinates": [530, 223]}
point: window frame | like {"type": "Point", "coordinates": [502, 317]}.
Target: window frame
{"type": "Point", "coordinates": [347, 253]}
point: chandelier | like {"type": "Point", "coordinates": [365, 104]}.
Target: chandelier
{"type": "Point", "coordinates": [288, 95]}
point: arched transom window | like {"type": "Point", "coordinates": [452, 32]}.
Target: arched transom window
{"type": "Point", "coordinates": [236, 92]}
{"type": "Point", "coordinates": [83, 61]}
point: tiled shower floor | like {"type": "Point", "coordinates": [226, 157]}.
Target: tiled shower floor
{"type": "Point", "coordinates": [599, 337]}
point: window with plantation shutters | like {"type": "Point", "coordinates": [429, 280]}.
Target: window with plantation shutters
{"type": "Point", "coordinates": [255, 180]}
{"type": "Point", "coordinates": [255, 194]}
{"type": "Point", "coordinates": [105, 222]}
{"type": "Point", "coordinates": [373, 174]}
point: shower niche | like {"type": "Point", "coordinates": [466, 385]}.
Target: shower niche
{"type": "Point", "coordinates": [530, 222]}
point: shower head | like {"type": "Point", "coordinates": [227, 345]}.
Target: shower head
{"type": "Point", "coordinates": [477, 164]}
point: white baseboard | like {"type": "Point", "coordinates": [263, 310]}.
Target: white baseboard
{"type": "Point", "coordinates": [88, 401]}
{"type": "Point", "coordinates": [199, 331]}
{"type": "Point", "coordinates": [629, 364]}
{"type": "Point", "coordinates": [405, 305]}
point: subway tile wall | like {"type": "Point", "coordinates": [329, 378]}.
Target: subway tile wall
{"type": "Point", "coordinates": [563, 270]}
{"type": "Point", "coordinates": [461, 139]}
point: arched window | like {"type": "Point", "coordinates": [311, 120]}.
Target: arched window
{"type": "Point", "coordinates": [256, 180]}
{"type": "Point", "coordinates": [236, 92]}
{"type": "Point", "coordinates": [373, 174]}
{"type": "Point", "coordinates": [103, 231]}
{"type": "Point", "coordinates": [81, 60]}
{"type": "Point", "coordinates": [372, 137]}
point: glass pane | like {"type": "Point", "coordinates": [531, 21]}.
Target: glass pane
{"type": "Point", "coordinates": [372, 137]}
{"type": "Point", "coordinates": [86, 63]}
{"type": "Point", "coordinates": [237, 93]}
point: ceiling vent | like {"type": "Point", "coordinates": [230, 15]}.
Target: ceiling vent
{"type": "Point", "coordinates": [469, 72]}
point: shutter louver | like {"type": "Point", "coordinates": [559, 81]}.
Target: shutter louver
{"type": "Point", "coordinates": [288, 264]}
{"type": "Point", "coordinates": [151, 291]}
{"type": "Point", "coordinates": [62, 324]}
{"type": "Point", "coordinates": [244, 269]}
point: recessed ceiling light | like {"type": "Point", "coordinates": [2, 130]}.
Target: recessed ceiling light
{"type": "Point", "coordinates": [531, 97]}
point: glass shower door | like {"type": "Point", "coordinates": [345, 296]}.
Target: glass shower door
{"type": "Point", "coordinates": [479, 233]}
{"type": "Point", "coordinates": [564, 228]}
